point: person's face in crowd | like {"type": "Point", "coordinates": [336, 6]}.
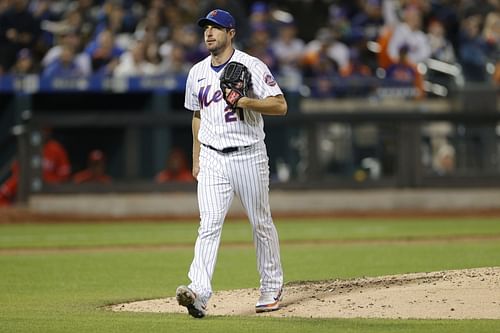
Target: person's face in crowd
{"type": "Point", "coordinates": [176, 162]}
{"type": "Point", "coordinates": [106, 41]}
{"type": "Point", "coordinates": [24, 64]}
{"type": "Point", "coordinates": [287, 32]}
{"type": "Point", "coordinates": [139, 51]}
{"type": "Point", "coordinates": [152, 53]}
{"type": "Point", "coordinates": [172, 15]}
{"type": "Point", "coordinates": [413, 18]}
{"type": "Point", "coordinates": [74, 19]}
{"type": "Point", "coordinates": [471, 25]}
{"type": "Point", "coordinates": [373, 8]}
{"type": "Point", "coordinates": [177, 54]}
{"type": "Point", "coordinates": [153, 19]}
{"type": "Point", "coordinates": [260, 37]}
{"type": "Point", "coordinates": [436, 29]}
{"type": "Point", "coordinates": [491, 29]}
{"type": "Point", "coordinates": [72, 40]}
{"type": "Point", "coordinates": [191, 38]}
{"type": "Point", "coordinates": [67, 55]}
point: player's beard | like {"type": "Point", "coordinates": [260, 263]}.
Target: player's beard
{"type": "Point", "coordinates": [217, 47]}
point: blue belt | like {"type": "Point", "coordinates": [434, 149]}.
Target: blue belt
{"type": "Point", "coordinates": [226, 150]}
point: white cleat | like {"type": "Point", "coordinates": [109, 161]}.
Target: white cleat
{"type": "Point", "coordinates": [186, 297]}
{"type": "Point", "coordinates": [269, 301]}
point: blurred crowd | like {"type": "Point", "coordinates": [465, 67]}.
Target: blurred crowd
{"type": "Point", "coordinates": [355, 45]}
{"type": "Point", "coordinates": [359, 40]}
{"type": "Point", "coordinates": [57, 168]}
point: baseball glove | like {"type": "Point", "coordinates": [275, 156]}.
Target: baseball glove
{"type": "Point", "coordinates": [237, 79]}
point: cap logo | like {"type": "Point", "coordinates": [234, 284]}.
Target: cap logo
{"type": "Point", "coordinates": [218, 17]}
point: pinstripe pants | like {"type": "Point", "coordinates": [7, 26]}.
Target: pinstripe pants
{"type": "Point", "coordinates": [246, 174]}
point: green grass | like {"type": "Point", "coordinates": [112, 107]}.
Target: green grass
{"type": "Point", "coordinates": [118, 234]}
{"type": "Point", "coordinates": [66, 291]}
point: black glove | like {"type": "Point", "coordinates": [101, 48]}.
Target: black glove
{"type": "Point", "coordinates": [237, 79]}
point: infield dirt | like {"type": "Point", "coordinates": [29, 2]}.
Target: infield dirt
{"type": "Point", "coordinates": [455, 294]}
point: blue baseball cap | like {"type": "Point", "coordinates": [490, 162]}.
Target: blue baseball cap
{"type": "Point", "coordinates": [219, 17]}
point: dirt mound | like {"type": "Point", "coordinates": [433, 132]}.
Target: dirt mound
{"type": "Point", "coordinates": [457, 294]}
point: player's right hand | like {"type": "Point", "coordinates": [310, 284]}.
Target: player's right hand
{"type": "Point", "coordinates": [196, 171]}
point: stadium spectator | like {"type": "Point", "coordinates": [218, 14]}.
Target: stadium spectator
{"type": "Point", "coordinates": [260, 46]}
{"type": "Point", "coordinates": [491, 34]}
{"type": "Point", "coordinates": [323, 45]}
{"type": "Point", "coordinates": [176, 168]}
{"type": "Point", "coordinates": [443, 162]}
{"type": "Point", "coordinates": [18, 29]}
{"type": "Point", "coordinates": [320, 63]}
{"type": "Point", "coordinates": [25, 63]}
{"type": "Point", "coordinates": [43, 11]}
{"type": "Point", "coordinates": [186, 36]}
{"type": "Point", "coordinates": [175, 63]}
{"type": "Point", "coordinates": [82, 16]}
{"type": "Point", "coordinates": [133, 62]}
{"type": "Point", "coordinates": [74, 21]}
{"type": "Point", "coordinates": [56, 168]}
{"type": "Point", "coordinates": [339, 22]}
{"type": "Point", "coordinates": [355, 67]}
{"type": "Point", "coordinates": [409, 33]}
{"type": "Point", "coordinates": [152, 27]}
{"type": "Point", "coordinates": [261, 14]}
{"type": "Point", "coordinates": [95, 171]}
{"type": "Point", "coordinates": [442, 50]}
{"type": "Point", "coordinates": [65, 64]}
{"type": "Point", "coordinates": [69, 39]}
{"type": "Point", "coordinates": [287, 47]}
{"type": "Point", "coordinates": [441, 47]}
{"type": "Point", "coordinates": [383, 58]}
{"type": "Point", "coordinates": [369, 20]}
{"type": "Point", "coordinates": [104, 53]}
{"type": "Point", "coordinates": [357, 75]}
{"type": "Point", "coordinates": [165, 23]}
{"type": "Point", "coordinates": [321, 78]}
{"type": "Point", "coordinates": [405, 72]}
{"type": "Point", "coordinates": [473, 51]}
{"type": "Point", "coordinates": [116, 17]}
{"type": "Point", "coordinates": [153, 55]}
{"type": "Point", "coordinates": [190, 10]}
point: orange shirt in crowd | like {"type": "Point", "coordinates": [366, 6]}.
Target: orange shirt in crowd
{"type": "Point", "coordinates": [87, 176]}
{"type": "Point", "coordinates": [55, 169]}
{"type": "Point", "coordinates": [95, 171]}
{"type": "Point", "coordinates": [180, 176]}
{"type": "Point", "coordinates": [176, 169]}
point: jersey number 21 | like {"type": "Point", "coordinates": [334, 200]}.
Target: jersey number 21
{"type": "Point", "coordinates": [233, 114]}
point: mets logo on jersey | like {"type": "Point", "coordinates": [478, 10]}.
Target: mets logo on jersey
{"type": "Point", "coordinates": [205, 100]}
{"type": "Point", "coordinates": [269, 80]}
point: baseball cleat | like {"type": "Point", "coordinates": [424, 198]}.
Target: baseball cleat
{"type": "Point", "coordinates": [186, 297]}
{"type": "Point", "coordinates": [269, 301]}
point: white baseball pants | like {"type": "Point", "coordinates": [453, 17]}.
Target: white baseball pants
{"type": "Point", "coordinates": [246, 174]}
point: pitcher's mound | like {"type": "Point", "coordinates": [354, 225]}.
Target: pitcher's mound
{"type": "Point", "coordinates": [457, 294]}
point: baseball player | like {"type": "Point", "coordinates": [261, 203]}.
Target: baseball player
{"type": "Point", "coordinates": [230, 157]}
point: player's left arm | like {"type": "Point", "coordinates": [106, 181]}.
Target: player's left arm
{"type": "Point", "coordinates": [272, 105]}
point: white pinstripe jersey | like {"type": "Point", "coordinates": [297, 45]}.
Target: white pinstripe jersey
{"type": "Point", "coordinates": [220, 127]}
